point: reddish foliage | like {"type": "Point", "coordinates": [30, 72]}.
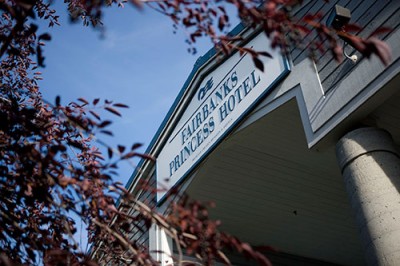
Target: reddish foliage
{"type": "Point", "coordinates": [209, 18]}
{"type": "Point", "coordinates": [200, 237]}
{"type": "Point", "coordinates": [50, 168]}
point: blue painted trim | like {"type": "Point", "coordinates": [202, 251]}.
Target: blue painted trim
{"type": "Point", "coordinates": [267, 90]}
{"type": "Point", "coordinates": [202, 60]}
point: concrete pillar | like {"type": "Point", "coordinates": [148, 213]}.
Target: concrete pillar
{"type": "Point", "coordinates": [370, 166]}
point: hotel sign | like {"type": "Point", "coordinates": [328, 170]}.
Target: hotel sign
{"type": "Point", "coordinates": [222, 99]}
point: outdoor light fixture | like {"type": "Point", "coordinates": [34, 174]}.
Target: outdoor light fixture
{"type": "Point", "coordinates": [339, 17]}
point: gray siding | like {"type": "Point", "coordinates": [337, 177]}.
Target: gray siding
{"type": "Point", "coordinates": [139, 232]}
{"type": "Point", "coordinates": [320, 110]}
{"type": "Point", "coordinates": [371, 15]}
{"type": "Point", "coordinates": [368, 14]}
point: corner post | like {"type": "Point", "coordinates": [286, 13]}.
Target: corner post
{"type": "Point", "coordinates": [160, 245]}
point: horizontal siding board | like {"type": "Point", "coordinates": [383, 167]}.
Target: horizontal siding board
{"type": "Point", "coordinates": [273, 208]}
{"type": "Point", "coordinates": [389, 116]}
{"type": "Point", "coordinates": [271, 168]}
{"type": "Point", "coordinates": [320, 7]}
{"type": "Point", "coordinates": [304, 221]}
{"type": "Point", "coordinates": [315, 8]}
{"type": "Point", "coordinates": [330, 71]}
{"type": "Point", "coordinates": [308, 7]}
{"type": "Point", "coordinates": [264, 222]}
{"type": "Point", "coordinates": [357, 13]}
{"type": "Point", "coordinates": [139, 232]}
{"type": "Point", "coordinates": [284, 190]}
{"type": "Point", "coordinates": [296, 202]}
{"type": "Point", "coordinates": [340, 71]}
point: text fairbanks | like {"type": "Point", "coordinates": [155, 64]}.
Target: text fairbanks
{"type": "Point", "coordinates": [220, 103]}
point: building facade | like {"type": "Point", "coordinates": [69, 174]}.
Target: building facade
{"type": "Point", "coordinates": [302, 157]}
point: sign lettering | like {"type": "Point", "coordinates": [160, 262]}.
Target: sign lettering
{"type": "Point", "coordinates": [221, 100]}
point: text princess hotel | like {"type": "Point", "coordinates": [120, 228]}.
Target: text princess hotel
{"type": "Point", "coordinates": [302, 157]}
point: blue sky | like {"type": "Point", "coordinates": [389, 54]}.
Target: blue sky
{"type": "Point", "coordinates": [139, 62]}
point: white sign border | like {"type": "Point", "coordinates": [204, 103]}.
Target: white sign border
{"type": "Point", "coordinates": [250, 108]}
